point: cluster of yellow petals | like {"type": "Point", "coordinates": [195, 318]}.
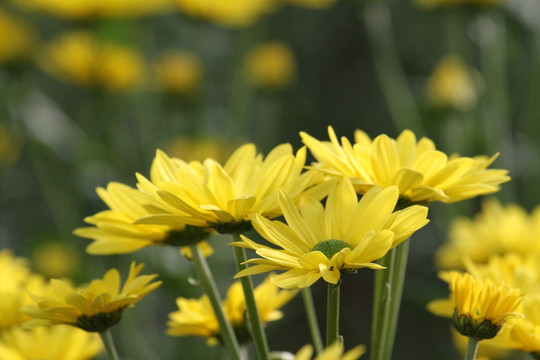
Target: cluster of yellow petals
{"type": "Point", "coordinates": [421, 172]}
{"type": "Point", "coordinates": [66, 305]}
{"type": "Point", "coordinates": [320, 241]}
{"type": "Point", "coordinates": [79, 58]}
{"type": "Point", "coordinates": [196, 317]}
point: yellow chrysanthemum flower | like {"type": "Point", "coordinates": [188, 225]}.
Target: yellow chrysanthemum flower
{"type": "Point", "coordinates": [93, 308]}
{"type": "Point", "coordinates": [332, 352]}
{"type": "Point", "coordinates": [17, 281]}
{"type": "Point", "coordinates": [196, 317]}
{"type": "Point", "coordinates": [60, 342]}
{"type": "Point", "coordinates": [271, 66]}
{"type": "Point", "coordinates": [523, 333]}
{"type": "Point", "coordinates": [79, 58]}
{"type": "Point", "coordinates": [115, 232]}
{"type": "Point", "coordinates": [324, 241]}
{"type": "Point", "coordinates": [16, 38]}
{"type": "Point", "coordinates": [421, 173]}
{"type": "Point", "coordinates": [233, 13]}
{"type": "Point", "coordinates": [478, 308]}
{"type": "Point", "coordinates": [451, 85]}
{"type": "Point", "coordinates": [84, 9]}
{"type": "Point", "coordinates": [223, 197]}
{"type": "Point", "coordinates": [497, 229]}
{"type": "Point", "coordinates": [178, 72]}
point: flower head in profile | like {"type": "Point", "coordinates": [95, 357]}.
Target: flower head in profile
{"type": "Point", "coordinates": [332, 352]}
{"type": "Point", "coordinates": [497, 229]}
{"type": "Point", "coordinates": [60, 342]}
{"type": "Point", "coordinates": [195, 317]}
{"type": "Point", "coordinates": [480, 307]}
{"type": "Point", "coordinates": [320, 241]}
{"type": "Point", "coordinates": [93, 308]}
{"type": "Point", "coordinates": [421, 172]}
{"type": "Point", "coordinates": [224, 197]}
{"type": "Point", "coordinates": [115, 233]}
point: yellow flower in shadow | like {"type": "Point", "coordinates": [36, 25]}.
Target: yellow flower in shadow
{"type": "Point", "coordinates": [196, 317]}
{"type": "Point", "coordinates": [16, 38]}
{"type": "Point", "coordinates": [271, 66]}
{"type": "Point", "coordinates": [95, 307]}
{"type": "Point", "coordinates": [422, 173]}
{"type": "Point", "coordinates": [178, 72]}
{"type": "Point", "coordinates": [335, 351]}
{"type": "Point", "coordinates": [343, 236]}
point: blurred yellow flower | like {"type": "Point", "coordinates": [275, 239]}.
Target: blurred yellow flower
{"type": "Point", "coordinates": [324, 241]}
{"type": "Point", "coordinates": [478, 308]}
{"type": "Point", "coordinates": [84, 9]}
{"type": "Point", "coordinates": [271, 66]}
{"type": "Point", "coordinates": [115, 233]}
{"type": "Point", "coordinates": [95, 307]}
{"type": "Point", "coordinates": [422, 173]}
{"type": "Point", "coordinates": [178, 72]}
{"type": "Point", "coordinates": [17, 281]}
{"type": "Point", "coordinates": [77, 57]}
{"type": "Point", "coordinates": [195, 317]}
{"type": "Point", "coordinates": [233, 13]}
{"type": "Point", "coordinates": [451, 85]}
{"type": "Point", "coordinates": [223, 197]}
{"type": "Point", "coordinates": [55, 343]}
{"type": "Point", "coordinates": [189, 148]}
{"type": "Point", "coordinates": [16, 38]}
{"type": "Point", "coordinates": [524, 333]}
{"type": "Point", "coordinates": [332, 352]}
{"type": "Point", "coordinates": [497, 229]}
{"type": "Point", "coordinates": [319, 4]}
{"type": "Point", "coordinates": [55, 259]}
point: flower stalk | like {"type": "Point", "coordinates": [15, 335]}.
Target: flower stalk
{"type": "Point", "coordinates": [256, 328]}
{"type": "Point", "coordinates": [312, 319]}
{"type": "Point", "coordinates": [332, 314]}
{"type": "Point", "coordinates": [472, 348]}
{"type": "Point", "coordinates": [209, 285]}
{"type": "Point", "coordinates": [108, 343]}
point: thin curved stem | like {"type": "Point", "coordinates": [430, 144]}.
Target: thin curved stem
{"type": "Point", "coordinates": [312, 319]}
{"type": "Point", "coordinates": [256, 328]}
{"type": "Point", "coordinates": [332, 314]}
{"type": "Point", "coordinates": [210, 288]}
{"type": "Point", "coordinates": [472, 348]}
{"type": "Point", "coordinates": [108, 343]}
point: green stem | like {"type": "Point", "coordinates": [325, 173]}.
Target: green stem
{"type": "Point", "coordinates": [396, 91]}
{"type": "Point", "coordinates": [256, 328]}
{"type": "Point", "coordinates": [312, 319]}
{"type": "Point", "coordinates": [387, 301]}
{"type": "Point", "coordinates": [472, 347]}
{"type": "Point", "coordinates": [108, 343]}
{"type": "Point", "coordinates": [210, 288]}
{"type": "Point", "coordinates": [332, 314]}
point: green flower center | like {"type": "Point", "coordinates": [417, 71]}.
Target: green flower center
{"type": "Point", "coordinates": [330, 247]}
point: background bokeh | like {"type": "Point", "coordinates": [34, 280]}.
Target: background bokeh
{"type": "Point", "coordinates": [88, 93]}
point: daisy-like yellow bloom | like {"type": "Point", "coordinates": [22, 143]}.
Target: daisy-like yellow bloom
{"type": "Point", "coordinates": [60, 342]}
{"type": "Point", "coordinates": [422, 173]}
{"type": "Point", "coordinates": [451, 85]}
{"type": "Point", "coordinates": [115, 233]}
{"type": "Point", "coordinates": [271, 66]}
{"type": "Point", "coordinates": [332, 352]}
{"type": "Point", "coordinates": [320, 241]}
{"type": "Point", "coordinates": [478, 308]}
{"type": "Point", "coordinates": [178, 72]}
{"type": "Point", "coordinates": [16, 38]}
{"type": "Point", "coordinates": [196, 317]}
{"type": "Point", "coordinates": [17, 281]}
{"type": "Point", "coordinates": [84, 9]}
{"type": "Point", "coordinates": [95, 307]}
{"type": "Point", "coordinates": [231, 13]}
{"type": "Point", "coordinates": [524, 333]}
{"type": "Point", "coordinates": [79, 58]}
{"type": "Point", "coordinates": [224, 197]}
{"type": "Point", "coordinates": [497, 229]}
